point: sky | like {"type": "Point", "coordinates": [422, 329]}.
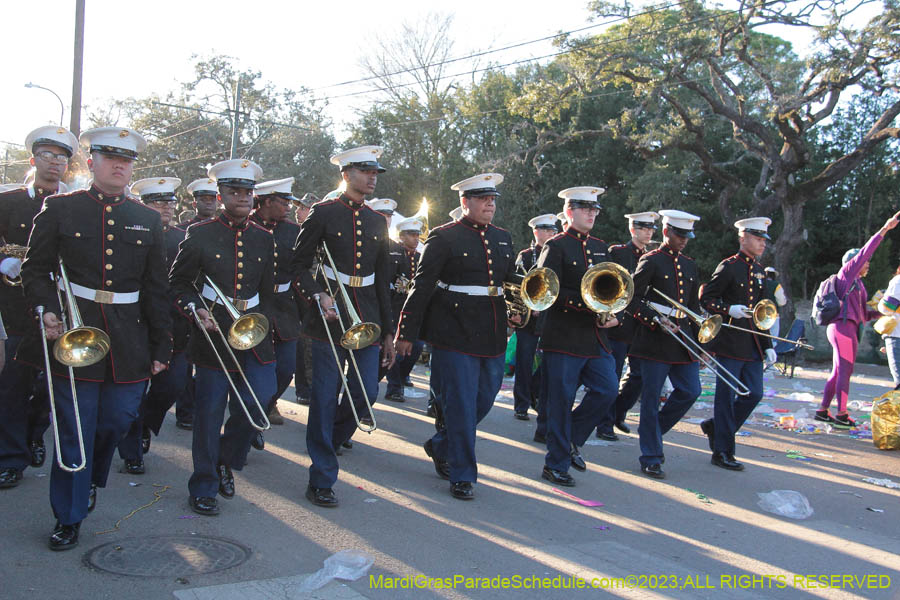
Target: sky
{"type": "Point", "coordinates": [134, 49]}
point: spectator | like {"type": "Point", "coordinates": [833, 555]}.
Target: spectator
{"type": "Point", "coordinates": [888, 306]}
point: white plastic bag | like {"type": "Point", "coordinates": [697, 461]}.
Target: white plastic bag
{"type": "Point", "coordinates": [785, 503]}
{"type": "Point", "coordinates": [348, 565]}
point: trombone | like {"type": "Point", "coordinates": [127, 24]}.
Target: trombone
{"type": "Point", "coordinates": [14, 251]}
{"type": "Point", "coordinates": [764, 315]}
{"type": "Point", "coordinates": [607, 288]}
{"type": "Point", "coordinates": [246, 332]}
{"type": "Point", "coordinates": [694, 348]}
{"type": "Point", "coordinates": [356, 336]}
{"type": "Point", "coordinates": [78, 346]}
{"type": "Point", "coordinates": [537, 291]}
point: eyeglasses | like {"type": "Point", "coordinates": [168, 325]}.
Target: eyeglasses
{"type": "Point", "coordinates": [52, 156]}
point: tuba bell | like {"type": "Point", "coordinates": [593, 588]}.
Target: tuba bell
{"type": "Point", "coordinates": [607, 288]}
{"type": "Point", "coordinates": [537, 291]}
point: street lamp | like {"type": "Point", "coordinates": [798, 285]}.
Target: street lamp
{"type": "Point", "coordinates": [62, 108]}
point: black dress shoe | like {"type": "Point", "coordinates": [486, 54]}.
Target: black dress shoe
{"type": "Point", "coordinates": [321, 496]}
{"type": "Point", "coordinates": [408, 381]}
{"type": "Point", "coordinates": [367, 421]}
{"type": "Point", "coordinates": [462, 490]}
{"type": "Point", "coordinates": [623, 426]}
{"type": "Point", "coordinates": [226, 481]}
{"type": "Point", "coordinates": [395, 397]}
{"type": "Point", "coordinates": [38, 453]}
{"type": "Point", "coordinates": [10, 478]}
{"type": "Point", "coordinates": [64, 537]}
{"type": "Point", "coordinates": [654, 471]}
{"type": "Point", "coordinates": [441, 467]}
{"type": "Point", "coordinates": [609, 436]}
{"type": "Point", "coordinates": [577, 459]}
{"type": "Point", "coordinates": [348, 445]}
{"type": "Point", "coordinates": [721, 459]}
{"type": "Point", "coordinates": [540, 438]}
{"type": "Point", "coordinates": [709, 428]}
{"type": "Point", "coordinates": [133, 467]}
{"type": "Point", "coordinates": [203, 505]}
{"type": "Point", "coordinates": [303, 400]}
{"type": "Point", "coordinates": [430, 410]}
{"type": "Point", "coordinates": [557, 477]}
{"type": "Point", "coordinates": [522, 416]}
{"type": "Point", "coordinates": [258, 441]}
{"type": "Point", "coordinates": [92, 498]}
{"type": "Point", "coordinates": [184, 424]}
{"type": "Point", "coordinates": [145, 440]}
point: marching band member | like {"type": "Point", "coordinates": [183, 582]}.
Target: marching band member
{"type": "Point", "coordinates": [660, 355]}
{"type": "Point", "coordinates": [239, 257]}
{"type": "Point", "coordinates": [301, 382]}
{"type": "Point", "coordinates": [456, 304]}
{"type": "Point", "coordinates": [574, 342]}
{"type": "Point", "coordinates": [205, 192]}
{"type": "Point", "coordinates": [169, 386]}
{"type": "Point", "coordinates": [114, 252]}
{"type": "Point", "coordinates": [408, 231]}
{"type": "Point", "coordinates": [642, 226]}
{"type": "Point", "coordinates": [274, 200]}
{"type": "Point", "coordinates": [22, 423]}
{"type": "Point", "coordinates": [357, 239]}
{"type": "Point", "coordinates": [527, 380]}
{"type": "Point", "coordinates": [737, 284]}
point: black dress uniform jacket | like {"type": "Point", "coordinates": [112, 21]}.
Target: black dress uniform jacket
{"type": "Point", "coordinates": [403, 262]}
{"type": "Point", "coordinates": [675, 275]}
{"type": "Point", "coordinates": [108, 243]}
{"type": "Point", "coordinates": [239, 258]}
{"type": "Point", "coordinates": [525, 261]}
{"type": "Point", "coordinates": [284, 312]}
{"type": "Point", "coordinates": [357, 238]}
{"type": "Point", "coordinates": [17, 211]}
{"type": "Point", "coordinates": [626, 255]}
{"type": "Point", "coordinates": [737, 280]}
{"type": "Point", "coordinates": [181, 328]}
{"type": "Point", "coordinates": [572, 327]}
{"type": "Point", "coordinates": [461, 253]}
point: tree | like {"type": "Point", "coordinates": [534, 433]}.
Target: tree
{"type": "Point", "coordinates": [697, 68]}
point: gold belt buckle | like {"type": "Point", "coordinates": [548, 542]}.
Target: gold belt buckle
{"type": "Point", "coordinates": [493, 290]}
{"type": "Point", "coordinates": [241, 304]}
{"type": "Point", "coordinates": [355, 281]}
{"type": "Point", "coordinates": [103, 296]}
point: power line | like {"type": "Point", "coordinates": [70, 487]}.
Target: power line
{"type": "Point", "coordinates": [552, 55]}
{"type": "Point", "coordinates": [495, 50]}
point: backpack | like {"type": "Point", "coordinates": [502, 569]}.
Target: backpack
{"type": "Point", "coordinates": [827, 307]}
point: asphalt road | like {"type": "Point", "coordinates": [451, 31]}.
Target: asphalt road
{"type": "Point", "coordinates": [697, 534]}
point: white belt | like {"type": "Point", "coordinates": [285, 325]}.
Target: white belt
{"type": "Point", "coordinates": [102, 296]}
{"type": "Point", "coordinates": [666, 310]}
{"type": "Point", "coordinates": [239, 303]}
{"type": "Point", "coordinates": [472, 290]}
{"type": "Point", "coordinates": [351, 280]}
{"type": "Point", "coordinates": [282, 287]}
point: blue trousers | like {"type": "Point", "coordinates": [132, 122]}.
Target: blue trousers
{"type": "Point", "coordinates": [685, 379]}
{"type": "Point", "coordinates": [526, 378]}
{"type": "Point", "coordinates": [398, 373]}
{"type": "Point", "coordinates": [541, 375]}
{"type": "Point", "coordinates": [285, 366]}
{"type": "Point", "coordinates": [566, 426]}
{"type": "Point", "coordinates": [730, 410]}
{"type": "Point", "coordinates": [209, 448]}
{"type": "Point", "coordinates": [107, 411]}
{"type": "Point", "coordinates": [23, 409]}
{"type": "Point", "coordinates": [166, 388]}
{"type": "Point", "coordinates": [301, 384]}
{"type": "Point", "coordinates": [467, 386]}
{"type": "Point", "coordinates": [328, 425]}
{"type": "Point", "coordinates": [629, 388]}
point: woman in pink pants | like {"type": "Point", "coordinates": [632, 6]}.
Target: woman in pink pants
{"type": "Point", "coordinates": [844, 331]}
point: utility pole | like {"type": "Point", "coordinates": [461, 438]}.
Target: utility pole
{"type": "Point", "coordinates": [6, 164]}
{"type": "Point", "coordinates": [235, 132]}
{"type": "Point", "coordinates": [75, 123]}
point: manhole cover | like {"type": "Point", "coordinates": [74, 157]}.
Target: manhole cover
{"type": "Point", "coordinates": [167, 556]}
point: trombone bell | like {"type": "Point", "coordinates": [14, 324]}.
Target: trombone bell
{"type": "Point", "coordinates": [248, 331]}
{"type": "Point", "coordinates": [539, 289]}
{"type": "Point", "coordinates": [360, 336]}
{"type": "Point", "coordinates": [81, 347]}
{"type": "Point", "coordinates": [765, 313]}
{"type": "Point", "coordinates": [709, 328]}
{"type": "Point", "coordinates": [607, 287]}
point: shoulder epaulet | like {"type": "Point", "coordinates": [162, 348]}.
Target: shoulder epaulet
{"type": "Point", "coordinates": [447, 225]}
{"type": "Point", "coordinates": [203, 222]}
{"type": "Point", "coordinates": [731, 258]}
{"type": "Point", "coordinates": [558, 236]}
{"type": "Point", "coordinates": [686, 256]}
{"type": "Point", "coordinates": [323, 202]}
{"type": "Point", "coordinates": [497, 227]}
{"type": "Point", "coordinates": [260, 227]}
{"type": "Point", "coordinates": [593, 237]}
{"type": "Point", "coordinates": [653, 252]}
{"type": "Point", "coordinates": [139, 203]}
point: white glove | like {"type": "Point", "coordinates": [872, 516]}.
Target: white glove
{"type": "Point", "coordinates": [11, 267]}
{"type": "Point", "coordinates": [739, 311]}
{"type": "Point", "coordinates": [780, 296]}
{"type": "Point", "coordinates": [771, 357]}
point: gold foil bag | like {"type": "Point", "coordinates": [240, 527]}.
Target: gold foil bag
{"type": "Point", "coordinates": [886, 421]}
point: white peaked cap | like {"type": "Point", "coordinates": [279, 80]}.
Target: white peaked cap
{"type": "Point", "coordinates": [155, 188]}
{"type": "Point", "coordinates": [547, 221]}
{"type": "Point", "coordinates": [363, 157]}
{"type": "Point", "coordinates": [237, 172]}
{"type": "Point", "coordinates": [484, 184]}
{"type": "Point", "coordinates": [52, 135]}
{"type": "Point", "coordinates": [758, 226]}
{"type": "Point", "coordinates": [206, 185]}
{"type": "Point", "coordinates": [278, 187]}
{"type": "Point", "coordinates": [119, 141]}
{"type": "Point", "coordinates": [382, 204]}
{"type": "Point", "coordinates": [682, 222]}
